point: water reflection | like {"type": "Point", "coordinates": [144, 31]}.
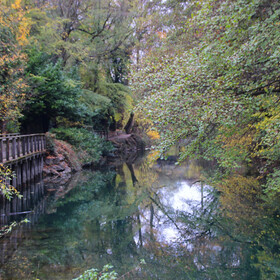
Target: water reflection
{"type": "Point", "coordinates": [31, 206]}
{"type": "Point", "coordinates": [167, 203]}
{"type": "Point", "coordinates": [132, 211]}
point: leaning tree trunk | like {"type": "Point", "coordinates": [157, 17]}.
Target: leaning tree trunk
{"type": "Point", "coordinates": [130, 123]}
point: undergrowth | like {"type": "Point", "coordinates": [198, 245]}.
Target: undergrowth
{"type": "Point", "coordinates": [89, 146]}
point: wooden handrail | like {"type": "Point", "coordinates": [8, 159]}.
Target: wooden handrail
{"type": "Point", "coordinates": [14, 147]}
{"type": "Point", "coordinates": [8, 134]}
{"type": "Point", "coordinates": [19, 135]}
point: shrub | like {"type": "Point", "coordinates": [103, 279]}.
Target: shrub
{"type": "Point", "coordinates": [6, 175]}
{"type": "Point", "coordinates": [94, 274]}
{"type": "Point", "coordinates": [89, 146]}
{"type": "Point", "coordinates": [50, 145]}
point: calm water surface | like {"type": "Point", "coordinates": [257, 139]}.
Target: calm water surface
{"type": "Point", "coordinates": [159, 213]}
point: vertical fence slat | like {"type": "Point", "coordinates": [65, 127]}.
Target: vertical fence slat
{"type": "Point", "coordinates": [10, 157]}
{"type": "Point", "coordinates": [14, 143]}
{"type": "Point", "coordinates": [28, 144]}
{"type": "Point", "coordinates": [21, 146]}
{"type": "Point", "coordinates": [37, 143]}
{"type": "Point", "coordinates": [32, 144]}
{"type": "Point", "coordinates": [18, 147]}
{"type": "Point", "coordinates": [2, 150]}
{"type": "Point", "coordinates": [5, 150]}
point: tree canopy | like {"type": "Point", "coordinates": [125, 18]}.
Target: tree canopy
{"type": "Point", "coordinates": [205, 73]}
{"type": "Point", "coordinates": [62, 59]}
{"type": "Point", "coordinates": [14, 29]}
{"type": "Point", "coordinates": [216, 85]}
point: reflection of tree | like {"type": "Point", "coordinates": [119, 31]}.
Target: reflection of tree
{"type": "Point", "coordinates": [214, 250]}
{"type": "Point", "coordinates": [212, 239]}
{"type": "Point", "coordinates": [199, 228]}
{"type": "Point", "coordinates": [254, 221]}
{"type": "Point", "coordinates": [133, 177]}
{"type": "Point", "coordinates": [160, 206]}
{"type": "Point", "coordinates": [98, 222]}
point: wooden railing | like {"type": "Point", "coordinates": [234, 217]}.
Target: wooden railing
{"type": "Point", "coordinates": [102, 133]}
{"type": "Point", "coordinates": [9, 134]}
{"type": "Point", "coordinates": [15, 146]}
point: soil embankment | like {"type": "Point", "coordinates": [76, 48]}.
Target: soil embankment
{"type": "Point", "coordinates": [62, 161]}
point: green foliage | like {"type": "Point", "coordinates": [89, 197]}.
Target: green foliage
{"type": "Point", "coordinates": [104, 99]}
{"type": "Point", "coordinates": [217, 89]}
{"type": "Point", "coordinates": [14, 28]}
{"type": "Point", "coordinates": [55, 91]}
{"type": "Point", "coordinates": [94, 274]}
{"type": "Point", "coordinates": [272, 185]}
{"type": "Point", "coordinates": [69, 75]}
{"type": "Point", "coordinates": [89, 145]}
{"type": "Point", "coordinates": [97, 105]}
{"type": "Point", "coordinates": [50, 145]}
{"type": "Point", "coordinates": [7, 229]}
{"type": "Point", "coordinates": [117, 94]}
{"type": "Point", "coordinates": [105, 273]}
{"type": "Point", "coordinates": [6, 175]}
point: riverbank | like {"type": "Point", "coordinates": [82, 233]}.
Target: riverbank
{"type": "Point", "coordinates": [63, 159]}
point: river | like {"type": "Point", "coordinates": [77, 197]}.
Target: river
{"type": "Point", "coordinates": [162, 214]}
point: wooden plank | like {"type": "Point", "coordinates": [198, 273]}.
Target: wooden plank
{"type": "Point", "coordinates": [28, 156]}
{"type": "Point", "coordinates": [2, 157]}
{"type": "Point", "coordinates": [14, 147]}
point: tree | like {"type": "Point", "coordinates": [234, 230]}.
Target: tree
{"type": "Point", "coordinates": [14, 29]}
{"type": "Point", "coordinates": [94, 37]}
{"type": "Point", "coordinates": [55, 93]}
{"type": "Point", "coordinates": [216, 92]}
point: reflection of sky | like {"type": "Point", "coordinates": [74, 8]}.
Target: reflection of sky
{"type": "Point", "coordinates": [178, 197]}
{"type": "Point", "coordinates": [182, 198]}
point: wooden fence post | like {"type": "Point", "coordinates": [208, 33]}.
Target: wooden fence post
{"type": "Point", "coordinates": [3, 149]}
{"type": "Point", "coordinates": [10, 156]}
{"type": "Point", "coordinates": [14, 145]}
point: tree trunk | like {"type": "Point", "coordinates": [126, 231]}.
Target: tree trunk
{"type": "Point", "coordinates": [129, 124]}
{"type": "Point", "coordinates": [3, 126]}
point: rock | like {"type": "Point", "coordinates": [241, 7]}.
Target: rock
{"type": "Point", "coordinates": [46, 171]}
{"type": "Point", "coordinates": [53, 172]}
{"type": "Point", "coordinates": [67, 170]}
{"type": "Point", "coordinates": [58, 167]}
{"type": "Point", "coordinates": [49, 160]}
{"type": "Point", "coordinates": [61, 157]}
{"type": "Point", "coordinates": [56, 160]}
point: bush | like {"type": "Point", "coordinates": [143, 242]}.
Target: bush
{"type": "Point", "coordinates": [90, 147]}
{"type": "Point", "coordinates": [6, 175]}
{"type": "Point", "coordinates": [50, 145]}
{"type": "Point", "coordinates": [55, 92]}
{"type": "Point", "coordinates": [94, 274]}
